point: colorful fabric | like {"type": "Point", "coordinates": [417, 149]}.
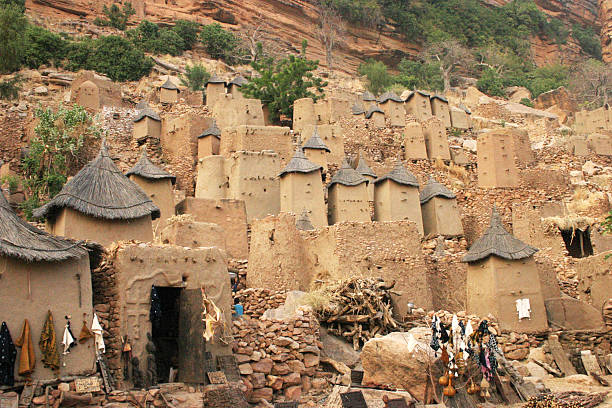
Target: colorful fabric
{"type": "Point", "coordinates": [68, 339]}
{"type": "Point", "coordinates": [8, 354]}
{"type": "Point", "coordinates": [48, 344]}
{"type": "Point", "coordinates": [27, 358]}
{"type": "Point", "coordinates": [85, 334]}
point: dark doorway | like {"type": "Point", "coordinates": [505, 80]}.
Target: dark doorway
{"type": "Point", "coordinates": [165, 330]}
{"type": "Point", "coordinates": [578, 242]}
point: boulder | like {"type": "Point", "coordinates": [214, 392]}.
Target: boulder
{"type": "Point", "coordinates": [338, 349]}
{"type": "Point", "coordinates": [288, 310]}
{"type": "Point", "coordinates": [400, 359]}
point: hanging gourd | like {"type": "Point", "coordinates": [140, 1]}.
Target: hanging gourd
{"type": "Point", "coordinates": [443, 380]}
{"type": "Point", "coordinates": [484, 388]}
{"type": "Point", "coordinates": [449, 390]}
{"type": "Point", "coordinates": [473, 388]}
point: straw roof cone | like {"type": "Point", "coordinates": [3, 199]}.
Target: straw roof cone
{"type": "Point", "coordinates": [434, 189]}
{"type": "Point", "coordinates": [347, 176]}
{"type": "Point", "coordinates": [299, 164]}
{"type": "Point", "coordinates": [315, 142]}
{"type": "Point", "coordinates": [145, 168]}
{"type": "Point", "coordinates": [399, 175]}
{"type": "Point", "coordinates": [303, 222]}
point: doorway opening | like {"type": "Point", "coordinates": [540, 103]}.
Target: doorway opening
{"type": "Point", "coordinates": [165, 330]}
{"type": "Point", "coordinates": [578, 242]}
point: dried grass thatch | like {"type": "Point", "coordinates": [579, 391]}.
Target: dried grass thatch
{"type": "Point", "coordinates": [499, 242]}
{"type": "Point", "coordinates": [373, 109]}
{"type": "Point", "coordinates": [100, 190]}
{"type": "Point", "coordinates": [434, 189]}
{"type": "Point", "coordinates": [347, 176]}
{"type": "Point", "coordinates": [146, 169]}
{"type": "Point", "coordinates": [300, 164]}
{"type": "Point", "coordinates": [315, 142]}
{"type": "Point", "coordinates": [20, 240]}
{"type": "Point", "coordinates": [568, 222]}
{"type": "Point", "coordinates": [399, 175]}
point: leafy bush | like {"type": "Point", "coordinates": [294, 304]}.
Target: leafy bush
{"type": "Point", "coordinates": [43, 46]}
{"type": "Point", "coordinates": [546, 78]}
{"type": "Point", "coordinates": [116, 17]}
{"type": "Point", "coordinates": [12, 29]}
{"type": "Point", "coordinates": [588, 40]}
{"type": "Point", "coordinates": [282, 82]}
{"type": "Point", "coordinates": [10, 87]}
{"type": "Point", "coordinates": [19, 4]}
{"type": "Point", "coordinates": [150, 38]}
{"type": "Point", "coordinates": [419, 75]}
{"type": "Point", "coordinates": [195, 77]}
{"type": "Point", "coordinates": [491, 83]}
{"type": "Point", "coordinates": [55, 149]}
{"type": "Point", "coordinates": [188, 31]}
{"type": "Point", "coordinates": [219, 43]}
{"type": "Point", "coordinates": [526, 102]}
{"type": "Point", "coordinates": [378, 76]}
{"type": "Point", "coordinates": [366, 12]}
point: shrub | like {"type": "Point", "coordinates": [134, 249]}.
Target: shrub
{"type": "Point", "coordinates": [12, 29]}
{"type": "Point", "coordinates": [42, 46]}
{"type": "Point", "coordinates": [55, 149]}
{"type": "Point", "coordinates": [10, 87]}
{"type": "Point", "coordinates": [282, 82]}
{"type": "Point", "coordinates": [219, 43]}
{"type": "Point", "coordinates": [377, 75]}
{"type": "Point", "coordinates": [589, 42]}
{"type": "Point", "coordinates": [491, 83]}
{"type": "Point", "coordinates": [18, 4]}
{"type": "Point", "coordinates": [526, 102]}
{"type": "Point", "coordinates": [195, 77]}
{"type": "Point", "coordinates": [421, 75]}
{"type": "Point", "coordinates": [150, 38]}
{"type": "Point", "coordinates": [546, 78]}
{"type": "Point", "coordinates": [188, 31]}
{"type": "Point", "coordinates": [116, 17]}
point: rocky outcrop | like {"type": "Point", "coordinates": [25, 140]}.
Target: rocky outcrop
{"type": "Point", "coordinates": [605, 18]}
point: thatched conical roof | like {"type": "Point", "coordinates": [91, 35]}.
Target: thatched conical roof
{"type": "Point", "coordinates": [212, 130]}
{"type": "Point", "coordinates": [399, 175]}
{"type": "Point", "coordinates": [239, 81]}
{"type": "Point", "coordinates": [315, 142]}
{"type": "Point", "coordinates": [215, 80]}
{"type": "Point", "coordinates": [499, 242]}
{"type": "Point", "coordinates": [358, 109]}
{"type": "Point", "coordinates": [100, 190]}
{"type": "Point", "coordinates": [440, 97]}
{"type": "Point", "coordinates": [434, 189]}
{"type": "Point", "coordinates": [169, 85]}
{"type": "Point", "coordinates": [147, 112]}
{"type": "Point", "coordinates": [299, 164]}
{"type": "Point", "coordinates": [367, 96]}
{"type": "Point", "coordinates": [347, 176]}
{"type": "Point", "coordinates": [372, 109]}
{"type": "Point", "coordinates": [145, 168]}
{"type": "Point", "coordinates": [20, 240]}
{"type": "Point", "coordinates": [389, 96]}
{"type": "Point", "coordinates": [364, 169]}
{"type": "Point", "coordinates": [303, 222]}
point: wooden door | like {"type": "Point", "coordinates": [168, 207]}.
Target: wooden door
{"type": "Point", "coordinates": [191, 343]}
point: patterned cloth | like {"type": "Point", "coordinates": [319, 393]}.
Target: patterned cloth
{"type": "Point", "coordinates": [48, 344]}
{"type": "Point", "coordinates": [8, 353]}
{"type": "Point", "coordinates": [27, 358]}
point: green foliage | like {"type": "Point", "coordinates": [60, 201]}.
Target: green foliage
{"type": "Point", "coordinates": [281, 82]}
{"type": "Point", "coordinates": [43, 46]}
{"type": "Point", "coordinates": [112, 56]}
{"type": "Point", "coordinates": [588, 40]}
{"type": "Point", "coordinates": [491, 83]}
{"type": "Point", "coordinates": [54, 150]}
{"type": "Point", "coordinates": [12, 28]}
{"type": "Point", "coordinates": [378, 76]}
{"type": "Point", "coordinates": [195, 77]}
{"type": "Point", "coordinates": [12, 181]}
{"type": "Point", "coordinates": [116, 17]}
{"type": "Point", "coordinates": [419, 75]}
{"type": "Point", "coordinates": [219, 43]}
{"type": "Point", "coordinates": [188, 31]}
{"type": "Point", "coordinates": [10, 87]}
{"type": "Point", "coordinates": [546, 78]}
{"type": "Point", "coordinates": [150, 38]}
{"type": "Point", "coordinates": [526, 102]}
{"type": "Point", "coordinates": [19, 4]}
{"type": "Point", "coordinates": [366, 12]}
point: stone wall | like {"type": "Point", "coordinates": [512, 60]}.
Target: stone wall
{"type": "Point", "coordinates": [256, 301]}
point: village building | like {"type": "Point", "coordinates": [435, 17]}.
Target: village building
{"type": "Point", "coordinates": [440, 210]}
{"type": "Point", "coordinates": [303, 114]}
{"type": "Point", "coordinates": [215, 90]}
{"type": "Point", "coordinates": [147, 124]}
{"type": "Point", "coordinates": [316, 150]}
{"type": "Point", "coordinates": [368, 173]}
{"type": "Point", "coordinates": [414, 142]}
{"type": "Point", "coordinates": [333, 138]}
{"type": "Point", "coordinates": [393, 107]}
{"type": "Point", "coordinates": [367, 96]}
{"type": "Point", "coordinates": [578, 146]}
{"type": "Point", "coordinates": [93, 91]}
{"type": "Point", "coordinates": [303, 222]}
{"type": "Point", "coordinates": [186, 232]}
{"type": "Point", "coordinates": [88, 96]}
{"type": "Point", "coordinates": [358, 109]}
{"type": "Point", "coordinates": [396, 197]}
{"type": "Point", "coordinates": [168, 92]}
{"type": "Point", "coordinates": [301, 188]}
{"type": "Point", "coordinates": [440, 109]}
{"type": "Point", "coordinates": [503, 280]}
{"type": "Point", "coordinates": [42, 274]}
{"type": "Point", "coordinates": [230, 112]}
{"type": "Point", "coordinates": [209, 141]}
{"type": "Point", "coordinates": [100, 204]}
{"type": "Point", "coordinates": [376, 116]}
{"type": "Point", "coordinates": [235, 85]}
{"type": "Point", "coordinates": [347, 196]}
{"type": "Point", "coordinates": [496, 161]}
{"type": "Point", "coordinates": [436, 141]}
{"type": "Point", "coordinates": [257, 139]}
{"type": "Point", "coordinates": [157, 183]}
{"type": "Point", "coordinates": [600, 143]}
{"type": "Point", "coordinates": [461, 117]}
{"type": "Point", "coordinates": [417, 104]}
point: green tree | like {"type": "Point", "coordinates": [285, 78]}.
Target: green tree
{"type": "Point", "coordinates": [219, 43]}
{"type": "Point", "coordinates": [419, 75]}
{"type": "Point", "coordinates": [546, 78]}
{"type": "Point", "coordinates": [42, 46]}
{"type": "Point", "coordinates": [588, 40]}
{"type": "Point", "coordinates": [12, 29]}
{"type": "Point", "coordinates": [282, 82]}
{"type": "Point", "coordinates": [188, 31]}
{"type": "Point", "coordinates": [19, 4]}
{"type": "Point", "coordinates": [377, 75]}
{"type": "Point", "coordinates": [10, 87]}
{"type": "Point", "coordinates": [491, 83]}
{"type": "Point", "coordinates": [195, 77]}
{"type": "Point", "coordinates": [55, 150]}
{"type": "Point", "coordinates": [116, 17]}
{"type": "Point", "coordinates": [149, 37]}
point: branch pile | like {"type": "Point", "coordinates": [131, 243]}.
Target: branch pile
{"type": "Point", "coordinates": [568, 399]}
{"type": "Point", "coordinates": [357, 309]}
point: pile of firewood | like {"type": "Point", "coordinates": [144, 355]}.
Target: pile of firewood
{"type": "Point", "coordinates": [567, 399]}
{"type": "Point", "coordinates": [358, 309]}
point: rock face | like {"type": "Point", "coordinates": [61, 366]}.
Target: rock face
{"type": "Point", "coordinates": [605, 18]}
{"type": "Point", "coordinates": [399, 359]}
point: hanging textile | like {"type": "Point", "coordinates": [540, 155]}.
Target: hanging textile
{"type": "Point", "coordinates": [523, 308]}
{"type": "Point", "coordinates": [8, 353]}
{"type": "Point", "coordinates": [211, 316]}
{"type": "Point", "coordinates": [27, 358]}
{"type": "Point", "coordinates": [98, 336]}
{"type": "Point", "coordinates": [155, 313]}
{"type": "Point", "coordinates": [68, 339]}
{"type": "Point", "coordinates": [48, 344]}
{"type": "Point", "coordinates": [85, 334]}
